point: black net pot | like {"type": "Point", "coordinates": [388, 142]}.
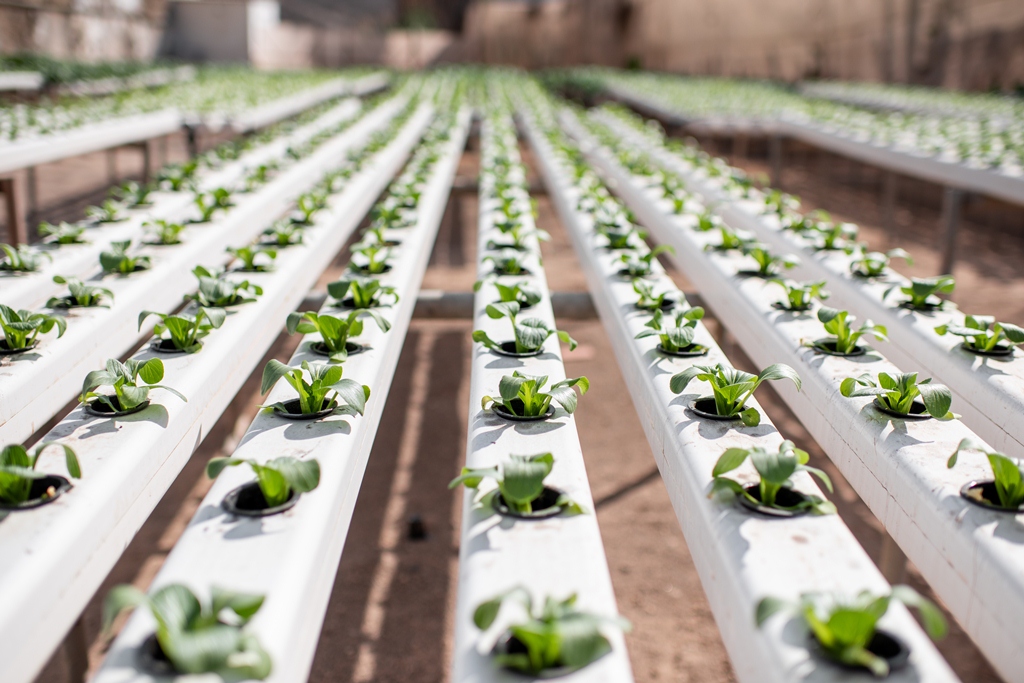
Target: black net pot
{"type": "Point", "coordinates": [917, 411]}
{"type": "Point", "coordinates": [247, 501]}
{"type": "Point", "coordinates": [6, 350]}
{"type": "Point", "coordinates": [1000, 350]}
{"type": "Point", "coordinates": [504, 413]}
{"type": "Point", "coordinates": [984, 494]}
{"type": "Point", "coordinates": [509, 644]}
{"type": "Point", "coordinates": [152, 660]}
{"type": "Point", "coordinates": [100, 409]}
{"type": "Point", "coordinates": [883, 644]}
{"type": "Point", "coordinates": [705, 407]}
{"type": "Point", "coordinates": [688, 351]}
{"type": "Point", "coordinates": [167, 346]}
{"type": "Point", "coordinates": [351, 348]}
{"type": "Point", "coordinates": [545, 506]}
{"type": "Point", "coordinates": [42, 492]}
{"type": "Point", "coordinates": [785, 498]}
{"type": "Point", "coordinates": [666, 305]}
{"type": "Point", "coordinates": [779, 306]}
{"type": "Point", "coordinates": [508, 348]}
{"type": "Point", "coordinates": [828, 347]}
{"type": "Point", "coordinates": [293, 411]}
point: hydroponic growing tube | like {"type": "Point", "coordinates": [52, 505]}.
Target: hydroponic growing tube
{"type": "Point", "coordinates": [555, 557]}
{"type": "Point", "coordinates": [898, 467]}
{"type": "Point", "coordinates": [989, 393]}
{"type": "Point", "coordinates": [292, 558]}
{"type": "Point", "coordinates": [38, 384]}
{"type": "Point", "coordinates": [53, 558]}
{"type": "Point", "coordinates": [32, 290]}
{"type": "Point", "coordinates": [740, 557]}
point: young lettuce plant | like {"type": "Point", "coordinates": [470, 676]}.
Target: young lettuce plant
{"type": "Point", "coordinates": [522, 396]}
{"type": "Point", "coordinates": [508, 262]}
{"type": "Point", "coordinates": [199, 637]}
{"type": "Point", "coordinates": [731, 388]}
{"type": "Point", "coordinates": [557, 639]}
{"type": "Point", "coordinates": [626, 236]}
{"type": "Point", "coordinates": [768, 265]}
{"type": "Point", "coordinates": [872, 264]}
{"type": "Point", "coordinates": [133, 194]}
{"type": "Point", "coordinates": [22, 259]}
{"type": "Point", "coordinates": [163, 232]}
{"type": "Point", "coordinates": [22, 328]}
{"type": "Point", "coordinates": [283, 234]}
{"type": "Point", "coordinates": [217, 292]}
{"type": "Point", "coordinates": [362, 293]}
{"type": "Point", "coordinates": [334, 332]}
{"type": "Point", "coordinates": [520, 482]}
{"type": "Point", "coordinates": [18, 472]}
{"type": "Point", "coordinates": [63, 233]}
{"type": "Point", "coordinates": [775, 470]}
{"type": "Point", "coordinates": [836, 236]}
{"type": "Point", "coordinates": [117, 260]}
{"type": "Point", "coordinates": [80, 295]}
{"type": "Point", "coordinates": [675, 330]}
{"type": "Point", "coordinates": [107, 212]}
{"type": "Point", "coordinates": [277, 479]}
{"type": "Point", "coordinates": [707, 221]}
{"type": "Point", "coordinates": [843, 339]}
{"type": "Point", "coordinates": [1006, 490]}
{"type": "Point", "coordinates": [518, 237]}
{"type": "Point", "coordinates": [184, 332]}
{"type": "Point", "coordinates": [308, 204]}
{"type": "Point", "coordinates": [530, 333]}
{"type": "Point", "coordinates": [731, 240]}
{"type": "Point", "coordinates": [124, 378]}
{"type": "Point", "coordinates": [898, 395]}
{"type": "Point", "coordinates": [637, 266]}
{"type": "Point", "coordinates": [846, 629]}
{"type": "Point", "coordinates": [799, 295]}
{"type": "Point", "coordinates": [982, 334]}
{"type": "Point", "coordinates": [521, 293]}
{"type": "Point", "coordinates": [253, 259]}
{"type": "Point", "coordinates": [324, 391]}
{"type": "Point", "coordinates": [178, 176]}
{"type": "Point", "coordinates": [370, 259]}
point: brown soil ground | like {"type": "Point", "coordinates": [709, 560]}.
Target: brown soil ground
{"type": "Point", "coordinates": [390, 615]}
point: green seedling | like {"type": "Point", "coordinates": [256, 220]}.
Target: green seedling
{"type": "Point", "coordinates": [508, 262]}
{"type": "Point", "coordinates": [18, 471]}
{"type": "Point", "coordinates": [253, 259]}
{"type": "Point", "coordinates": [22, 259]}
{"type": "Point", "coordinates": [1006, 472]}
{"type": "Point", "coordinates": [775, 470]}
{"type": "Point", "coordinates": [117, 260]}
{"type": "Point", "coordinates": [923, 292]}
{"type": "Point", "coordinates": [732, 388]}
{"type": "Point", "coordinates": [523, 396]}
{"type": "Point", "coordinates": [623, 237]}
{"type": "Point", "coordinates": [675, 330]}
{"type": "Point", "coordinates": [186, 331]}
{"type": "Point", "coordinates": [107, 212]}
{"type": "Point", "coordinates": [530, 333]}
{"type": "Point", "coordinates": [325, 390]}
{"type": "Point", "coordinates": [63, 233]}
{"type": "Point", "coordinates": [179, 176]}
{"type": "Point", "coordinates": [872, 264]}
{"type": "Point", "coordinates": [731, 240]}
{"type": "Point", "coordinates": [80, 295]}
{"type": "Point", "coordinates": [637, 266]}
{"type": "Point", "coordinates": [364, 292]}
{"type": "Point", "coordinates": [898, 393]}
{"type": "Point", "coordinates": [836, 236]}
{"type": "Point", "coordinates": [217, 292]}
{"type": "Point", "coordinates": [308, 204]}
{"type": "Point", "coordinates": [277, 478]}
{"type": "Point", "coordinates": [371, 259]}
{"type": "Point", "coordinates": [983, 334]}
{"type": "Point", "coordinates": [334, 332]}
{"type": "Point", "coordinates": [519, 238]}
{"type": "Point", "coordinates": [22, 328]}
{"type": "Point", "coordinates": [133, 194]}
{"type": "Point", "coordinates": [768, 265]}
{"type": "Point", "coordinates": [284, 234]}
{"type": "Point", "coordinates": [707, 221]}
{"type": "Point", "coordinates": [648, 300]}
{"type": "Point", "coordinates": [520, 292]}
{"type": "Point", "coordinates": [800, 295]}
{"type": "Point", "coordinates": [843, 337]}
{"type": "Point", "coordinates": [520, 482]}
{"type": "Point", "coordinates": [164, 232]}
{"type": "Point", "coordinates": [124, 379]}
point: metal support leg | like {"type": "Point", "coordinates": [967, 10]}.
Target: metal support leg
{"type": "Point", "coordinates": [147, 158]}
{"type": "Point", "coordinates": [32, 190]}
{"type": "Point", "coordinates": [952, 201]}
{"type": "Point", "coordinates": [16, 231]}
{"type": "Point", "coordinates": [192, 136]}
{"type": "Point", "coordinates": [891, 560]}
{"type": "Point", "coordinates": [889, 191]}
{"type": "Point", "coordinates": [76, 652]}
{"type": "Point", "coordinates": [775, 157]}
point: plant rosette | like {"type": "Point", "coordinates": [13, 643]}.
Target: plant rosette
{"type": "Point", "coordinates": [80, 295]}
{"type": "Point", "coordinates": [22, 329]}
{"type": "Point", "coordinates": [324, 394]}
{"type": "Point", "coordinates": [22, 259]}
{"type": "Point", "coordinates": [769, 266]}
{"type": "Point", "coordinates": [218, 292]}
{"type": "Point", "coordinates": [22, 487]}
{"type": "Point", "coordinates": [521, 397]}
{"type": "Point", "coordinates": [843, 339]}
{"type": "Point", "coordinates": [1005, 491]}
{"type": "Point", "coordinates": [507, 263]}
{"type": "Point", "coordinates": [520, 488]}
{"type": "Point", "coordinates": [283, 234]}
{"type": "Point", "coordinates": [553, 641]}
{"type": "Point", "coordinates": [636, 266]}
{"type": "Point", "coordinates": [875, 264]}
{"type": "Point", "coordinates": [370, 259]}
{"type": "Point", "coordinates": [253, 259]}
{"type": "Point", "coordinates": [732, 388]}
{"type": "Point", "coordinates": [277, 488]}
{"type": "Point", "coordinates": [648, 300]}
{"type": "Point", "coordinates": [902, 395]}
{"type": "Point", "coordinates": [163, 233]}
{"type": "Point", "coordinates": [675, 332]}
{"type": "Point", "coordinates": [845, 630]}
{"type": "Point", "coordinates": [193, 636]}
{"type": "Point", "coordinates": [522, 293]}
{"type": "Point", "coordinates": [983, 336]}
{"type": "Point", "coordinates": [182, 333]}
{"type": "Point", "coordinates": [530, 333]}
{"type": "Point", "coordinates": [63, 233]}
{"type": "Point", "coordinates": [130, 396]}
{"type": "Point", "coordinates": [362, 293]}
{"type": "Point", "coordinates": [774, 494]}
{"type": "Point", "coordinates": [923, 293]}
{"type": "Point", "coordinates": [117, 260]}
{"type": "Point", "coordinates": [800, 296]}
{"type": "Point", "coordinates": [334, 332]}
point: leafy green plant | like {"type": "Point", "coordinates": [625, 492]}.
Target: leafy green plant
{"type": "Point", "coordinates": [164, 232]}
{"type": "Point", "coordinates": [780, 203]}
{"type": "Point", "coordinates": [325, 389]}
{"type": "Point", "coordinates": [63, 233]}
{"type": "Point", "coordinates": [523, 396]}
{"type": "Point", "coordinates": [507, 262]}
{"type": "Point", "coordinates": [648, 300]}
{"type": "Point", "coordinates": [371, 259]}
{"type": "Point", "coordinates": [217, 292]}
{"type": "Point", "coordinates": [107, 212]}
{"type": "Point", "coordinates": [982, 333]}
{"type": "Point", "coordinates": [768, 264]}
{"type": "Point", "coordinates": [79, 294]}
{"type": "Point", "coordinates": [898, 393]}
{"type": "Point", "coordinates": [334, 332]}
{"type": "Point", "coordinates": [308, 204]}
{"type": "Point", "coordinates": [210, 202]}
{"type": "Point", "coordinates": [674, 330]}
{"type": "Point", "coordinates": [124, 379]}
{"type": "Point", "coordinates": [844, 338]}
{"type": "Point", "coordinates": [179, 176]}
{"type": "Point", "coordinates": [530, 333]}
{"type": "Point", "coordinates": [559, 635]}
{"type": "Point", "coordinates": [519, 236]}
{"type": "Point", "coordinates": [521, 292]}
{"type": "Point", "coordinates": [636, 266]}
{"type": "Point", "coordinates": [707, 221]}
{"type": "Point", "coordinates": [1006, 473]}
{"type": "Point", "coordinates": [376, 234]}
{"type": "Point", "coordinates": [775, 470]}
{"type": "Point", "coordinates": [871, 264]}
{"type": "Point", "coordinates": [197, 636]}
{"type": "Point", "coordinates": [254, 259]}
{"type": "Point", "coordinates": [732, 387]}
{"type": "Point", "coordinates": [18, 471]}
{"type": "Point", "coordinates": [259, 175]}
{"type": "Point", "coordinates": [731, 239]}
{"type": "Point", "coordinates": [844, 628]}
{"type": "Point", "coordinates": [276, 478]}
{"type": "Point", "coordinates": [133, 194]}
{"type": "Point", "coordinates": [520, 482]}
{"type": "Point", "coordinates": [835, 236]}
{"type": "Point", "coordinates": [364, 292]}
{"type": "Point", "coordinates": [799, 295]}
{"type": "Point", "coordinates": [284, 234]}
{"type": "Point", "coordinates": [118, 260]}
{"type": "Point", "coordinates": [22, 259]}
{"type": "Point", "coordinates": [626, 236]}
{"type": "Point", "coordinates": [186, 331]}
{"type": "Point", "coordinates": [21, 328]}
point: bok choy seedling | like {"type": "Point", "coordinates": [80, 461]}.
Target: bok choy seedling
{"type": "Point", "coordinates": [530, 333]}
{"type": "Point", "coordinates": [362, 292]}
{"type": "Point", "coordinates": [334, 332]}
{"type": "Point", "coordinates": [508, 262]}
{"type": "Point", "coordinates": [522, 395]}
{"type": "Point", "coordinates": [835, 236]}
{"type": "Point", "coordinates": [871, 264]}
{"type": "Point", "coordinates": [520, 482]}
{"type": "Point", "coordinates": [370, 259]}
{"type": "Point", "coordinates": [626, 236]}
{"type": "Point", "coordinates": [899, 394]}
{"type": "Point", "coordinates": [277, 478]}
{"type": "Point", "coordinates": [199, 636]}
{"type": "Point", "coordinates": [22, 328]}
{"type": "Point", "coordinates": [775, 470]}
{"type": "Point", "coordinates": [1006, 473]}
{"type": "Point", "coordinates": [63, 233]}
{"type": "Point", "coordinates": [768, 264]}
{"type": "Point", "coordinates": [923, 292]}
{"type": "Point", "coordinates": [731, 239]}
{"type": "Point", "coordinates": [253, 259]}
{"type": "Point", "coordinates": [845, 628]}
{"type": "Point", "coordinates": [843, 339]}
{"type": "Point", "coordinates": [218, 292]}
{"type": "Point", "coordinates": [133, 194]}
{"type": "Point", "coordinates": [163, 232]}
{"type": "Point", "coordinates": [22, 259]}
{"type": "Point", "coordinates": [982, 334]}
{"type": "Point", "coordinates": [118, 261]}
{"type": "Point", "coordinates": [107, 212]}
{"type": "Point", "coordinates": [636, 266]}
{"type": "Point", "coordinates": [558, 636]}
{"type": "Point", "coordinates": [799, 295]}
{"type": "Point", "coordinates": [648, 300]}
{"type": "Point", "coordinates": [732, 388]}
{"type": "Point", "coordinates": [519, 238]}
{"type": "Point", "coordinates": [325, 390]}
{"type": "Point", "coordinates": [185, 331]}
{"type": "Point", "coordinates": [18, 471]}
{"type": "Point", "coordinates": [283, 234]}
{"type": "Point", "coordinates": [124, 378]}
{"type": "Point", "coordinates": [521, 292]}
{"type": "Point", "coordinates": [675, 330]}
{"type": "Point", "coordinates": [80, 295]}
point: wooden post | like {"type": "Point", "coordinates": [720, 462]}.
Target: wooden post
{"type": "Point", "coordinates": [32, 190]}
{"type": "Point", "coordinates": [775, 156]}
{"type": "Point", "coordinates": [16, 231]}
{"type": "Point", "coordinates": [76, 652]}
{"type": "Point", "coordinates": [952, 200]}
{"type": "Point", "coordinates": [891, 560]}
{"type": "Point", "coordinates": [889, 191]}
{"type": "Point", "coordinates": [111, 165]}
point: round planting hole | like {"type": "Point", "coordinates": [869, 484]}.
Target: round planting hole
{"type": "Point", "coordinates": [508, 348]}
{"type": "Point", "coordinates": [705, 407]}
{"type": "Point", "coordinates": [100, 409]}
{"type": "Point", "coordinates": [501, 273]}
{"type": "Point", "coordinates": [984, 494]}
{"type": "Point", "coordinates": [517, 406]}
{"type": "Point", "coordinates": [363, 270]}
{"type": "Point", "coordinates": [508, 644]}
{"type": "Point", "coordinates": [917, 411]}
{"type": "Point", "coordinates": [1001, 350]}
{"type": "Point", "coordinates": [248, 501]}
{"type": "Point", "coordinates": [779, 306]}
{"type": "Point", "coordinates": [688, 351]}
{"type": "Point", "coordinates": [785, 498]}
{"type": "Point", "coordinates": [882, 644]}
{"type": "Point", "coordinates": [351, 348]}
{"type": "Point", "coordinates": [152, 660]}
{"type": "Point", "coordinates": [828, 347]}
{"type": "Point", "coordinates": [6, 350]}
{"type": "Point", "coordinates": [545, 506]}
{"type": "Point", "coordinates": [167, 346]}
{"type": "Point", "coordinates": [42, 491]}
{"type": "Point", "coordinates": [293, 411]}
{"type": "Point", "coordinates": [666, 305]}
